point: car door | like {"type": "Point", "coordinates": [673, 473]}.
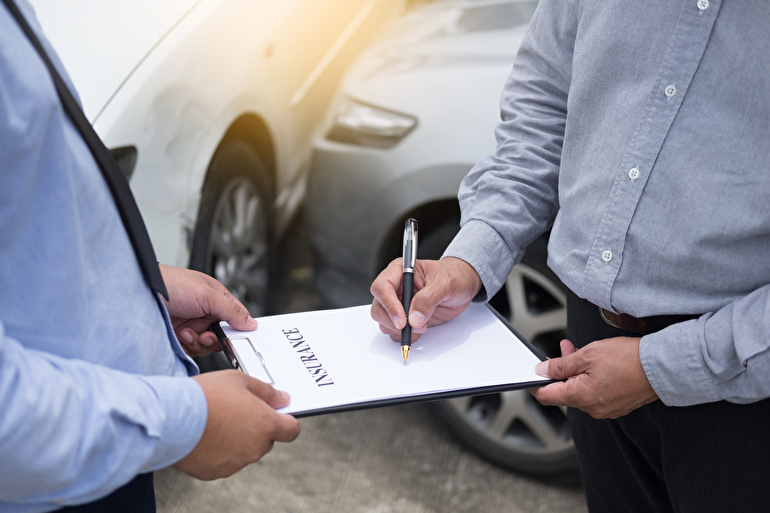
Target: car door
{"type": "Point", "coordinates": [311, 44]}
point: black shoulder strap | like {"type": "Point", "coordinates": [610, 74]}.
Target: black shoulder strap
{"type": "Point", "coordinates": [116, 181]}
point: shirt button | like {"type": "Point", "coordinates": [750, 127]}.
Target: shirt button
{"type": "Point", "coordinates": [633, 173]}
{"type": "Point", "coordinates": [607, 255]}
{"type": "Point", "coordinates": [703, 4]}
{"type": "Point", "coordinates": [670, 90]}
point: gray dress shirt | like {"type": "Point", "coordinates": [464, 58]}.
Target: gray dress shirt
{"type": "Point", "coordinates": [640, 131]}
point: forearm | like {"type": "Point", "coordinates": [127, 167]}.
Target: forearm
{"type": "Point", "coordinates": [511, 197]}
{"type": "Point", "coordinates": [72, 431]}
{"type": "Point", "coordinates": [721, 356]}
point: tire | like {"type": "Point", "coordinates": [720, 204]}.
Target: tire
{"type": "Point", "coordinates": [512, 429]}
{"type": "Point", "coordinates": [234, 237]}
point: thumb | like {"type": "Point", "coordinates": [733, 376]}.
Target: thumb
{"type": "Point", "coordinates": [426, 300]}
{"type": "Point", "coordinates": [274, 397]}
{"type": "Point", "coordinates": [561, 368]}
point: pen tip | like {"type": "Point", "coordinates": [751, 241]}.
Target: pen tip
{"type": "Point", "coordinates": [405, 353]}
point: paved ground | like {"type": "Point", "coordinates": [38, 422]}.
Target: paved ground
{"type": "Point", "coordinates": [363, 462]}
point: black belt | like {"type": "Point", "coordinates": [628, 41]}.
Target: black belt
{"type": "Point", "coordinates": [642, 325]}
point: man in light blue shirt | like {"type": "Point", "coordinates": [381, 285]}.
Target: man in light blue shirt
{"type": "Point", "coordinates": [94, 386]}
{"type": "Point", "coordinates": [639, 132]}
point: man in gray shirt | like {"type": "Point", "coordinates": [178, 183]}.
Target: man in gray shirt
{"type": "Point", "coordinates": [638, 132]}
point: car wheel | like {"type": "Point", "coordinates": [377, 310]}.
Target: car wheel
{"type": "Point", "coordinates": [234, 236]}
{"type": "Point", "coordinates": [511, 428]}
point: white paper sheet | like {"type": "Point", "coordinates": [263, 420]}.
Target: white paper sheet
{"type": "Point", "coordinates": [338, 359]}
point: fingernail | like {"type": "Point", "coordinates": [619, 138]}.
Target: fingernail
{"type": "Point", "coordinates": [251, 323]}
{"type": "Point", "coordinates": [186, 337]}
{"type": "Point", "coordinates": [542, 369]}
{"type": "Point", "coordinates": [416, 319]}
{"type": "Point", "coordinates": [285, 395]}
{"type": "Point", "coordinates": [396, 321]}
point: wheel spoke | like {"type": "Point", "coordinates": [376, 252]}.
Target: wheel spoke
{"type": "Point", "coordinates": [252, 222]}
{"type": "Point", "coordinates": [510, 406]}
{"type": "Point", "coordinates": [530, 415]}
{"type": "Point", "coordinates": [225, 218]}
{"type": "Point", "coordinates": [253, 281]}
{"type": "Point", "coordinates": [529, 323]}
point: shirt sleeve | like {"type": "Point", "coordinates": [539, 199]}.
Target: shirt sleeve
{"type": "Point", "coordinates": [511, 197]}
{"type": "Point", "coordinates": [72, 431]}
{"type": "Point", "coordinates": [720, 356]}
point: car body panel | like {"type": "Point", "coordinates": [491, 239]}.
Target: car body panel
{"type": "Point", "coordinates": [423, 66]}
{"type": "Point", "coordinates": [170, 79]}
{"type": "Point", "coordinates": [78, 30]}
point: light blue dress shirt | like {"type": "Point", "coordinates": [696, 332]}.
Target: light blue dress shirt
{"type": "Point", "coordinates": [93, 386]}
{"type": "Point", "coordinates": [641, 132]}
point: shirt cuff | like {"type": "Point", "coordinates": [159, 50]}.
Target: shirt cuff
{"type": "Point", "coordinates": [185, 414]}
{"type": "Point", "coordinates": [475, 242]}
{"type": "Point", "coordinates": [673, 362]}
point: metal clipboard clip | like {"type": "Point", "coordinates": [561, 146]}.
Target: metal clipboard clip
{"type": "Point", "coordinates": [251, 361]}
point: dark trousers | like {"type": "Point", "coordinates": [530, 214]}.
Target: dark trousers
{"type": "Point", "coordinates": [138, 496]}
{"type": "Point", "coordinates": [704, 458]}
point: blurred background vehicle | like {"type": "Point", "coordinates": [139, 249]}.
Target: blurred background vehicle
{"type": "Point", "coordinates": [210, 106]}
{"type": "Point", "coordinates": [413, 114]}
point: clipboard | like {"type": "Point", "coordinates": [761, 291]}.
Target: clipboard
{"type": "Point", "coordinates": [333, 361]}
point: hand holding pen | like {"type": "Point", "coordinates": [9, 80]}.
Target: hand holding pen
{"type": "Point", "coordinates": [409, 259]}
{"type": "Point", "coordinates": [442, 290]}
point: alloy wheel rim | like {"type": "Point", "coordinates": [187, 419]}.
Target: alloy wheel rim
{"type": "Point", "coordinates": [515, 419]}
{"type": "Point", "coordinates": [238, 248]}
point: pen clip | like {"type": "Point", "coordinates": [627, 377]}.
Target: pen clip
{"type": "Point", "coordinates": [410, 245]}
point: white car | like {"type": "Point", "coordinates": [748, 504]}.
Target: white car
{"type": "Point", "coordinates": [210, 106]}
{"type": "Point", "coordinates": [413, 115]}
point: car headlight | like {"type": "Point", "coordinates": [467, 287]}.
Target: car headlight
{"type": "Point", "coordinates": [366, 125]}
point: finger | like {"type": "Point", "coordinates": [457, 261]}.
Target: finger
{"type": "Point", "coordinates": [566, 366]}
{"type": "Point", "coordinates": [385, 291]}
{"type": "Point", "coordinates": [561, 393]}
{"type": "Point", "coordinates": [392, 333]}
{"type": "Point", "coordinates": [191, 338]}
{"type": "Point", "coordinates": [275, 398]}
{"type": "Point", "coordinates": [224, 306]}
{"type": "Point", "coordinates": [209, 340]}
{"type": "Point", "coordinates": [562, 368]}
{"type": "Point", "coordinates": [287, 428]}
{"type": "Point", "coordinates": [383, 318]}
{"type": "Point", "coordinates": [567, 347]}
{"type": "Point", "coordinates": [425, 302]}
{"type": "Point", "coordinates": [192, 345]}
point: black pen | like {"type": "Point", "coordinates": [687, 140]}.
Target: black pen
{"type": "Point", "coordinates": [410, 257]}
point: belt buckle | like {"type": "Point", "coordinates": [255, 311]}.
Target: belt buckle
{"type": "Point", "coordinates": [633, 324]}
{"type": "Point", "coordinates": [606, 319]}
